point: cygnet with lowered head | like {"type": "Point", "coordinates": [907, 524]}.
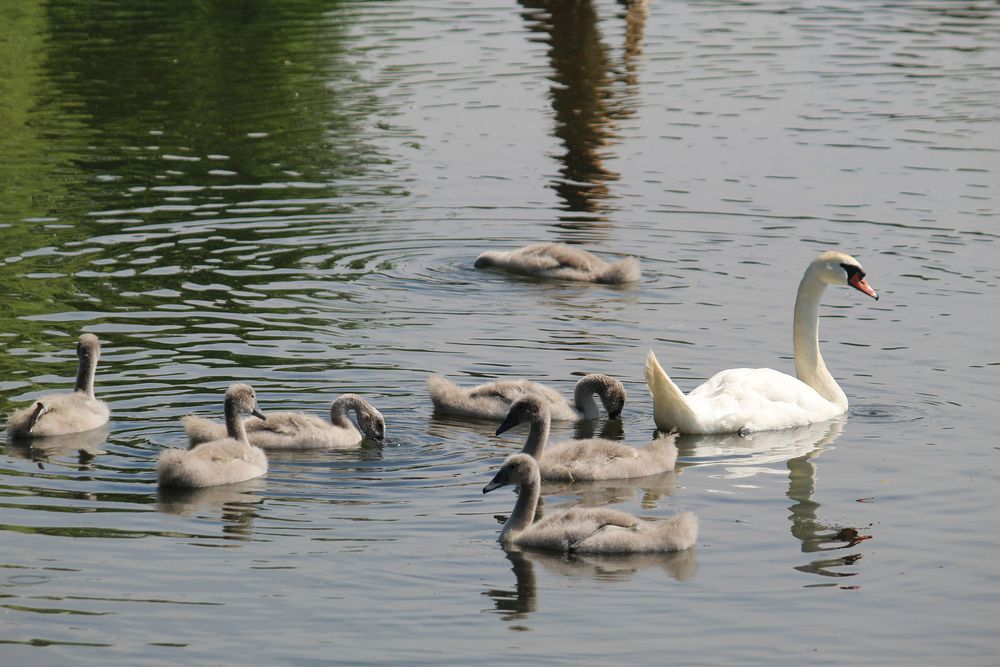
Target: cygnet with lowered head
{"type": "Point", "coordinates": [298, 431]}
{"type": "Point", "coordinates": [590, 458]}
{"type": "Point", "coordinates": [68, 412]}
{"type": "Point", "coordinates": [560, 261]}
{"type": "Point", "coordinates": [593, 530]}
{"type": "Point", "coordinates": [224, 461]}
{"type": "Point", "coordinates": [493, 399]}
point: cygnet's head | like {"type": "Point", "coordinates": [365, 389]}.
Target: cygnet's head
{"type": "Point", "coordinates": [611, 392]}
{"type": "Point", "coordinates": [517, 469]}
{"type": "Point", "coordinates": [372, 423]}
{"type": "Point", "coordinates": [837, 268]}
{"type": "Point", "coordinates": [88, 347]}
{"type": "Point", "coordinates": [485, 260]}
{"type": "Point", "coordinates": [526, 409]}
{"type": "Point", "coordinates": [243, 398]}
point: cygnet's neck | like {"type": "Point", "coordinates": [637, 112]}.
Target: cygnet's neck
{"type": "Point", "coordinates": [341, 407]}
{"type": "Point", "coordinates": [583, 397]}
{"type": "Point", "coordinates": [234, 425]}
{"type": "Point", "coordinates": [538, 436]}
{"type": "Point", "coordinates": [524, 509]}
{"type": "Point", "coordinates": [809, 366]}
{"type": "Point", "coordinates": [85, 373]}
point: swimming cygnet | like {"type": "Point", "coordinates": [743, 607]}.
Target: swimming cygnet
{"type": "Point", "coordinates": [493, 399]}
{"type": "Point", "coordinates": [59, 414]}
{"type": "Point", "coordinates": [593, 530]}
{"type": "Point", "coordinates": [588, 459]}
{"type": "Point", "coordinates": [225, 461]}
{"type": "Point", "coordinates": [558, 260]}
{"type": "Point", "coordinates": [298, 431]}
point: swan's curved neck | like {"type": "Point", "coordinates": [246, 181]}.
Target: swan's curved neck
{"type": "Point", "coordinates": [234, 425]}
{"type": "Point", "coordinates": [524, 509]}
{"type": "Point", "coordinates": [583, 398]}
{"type": "Point", "coordinates": [85, 373]}
{"type": "Point", "coordinates": [341, 407]}
{"type": "Point", "coordinates": [809, 366]}
{"type": "Point", "coordinates": [538, 436]}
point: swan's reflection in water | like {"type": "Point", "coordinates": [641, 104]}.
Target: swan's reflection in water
{"type": "Point", "coordinates": [83, 446]}
{"type": "Point", "coordinates": [744, 457]}
{"type": "Point", "coordinates": [519, 602]}
{"type": "Point", "coordinates": [235, 504]}
{"type": "Point", "coordinates": [593, 90]}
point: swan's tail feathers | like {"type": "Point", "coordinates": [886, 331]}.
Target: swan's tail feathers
{"type": "Point", "coordinates": [625, 271]}
{"type": "Point", "coordinates": [201, 430]}
{"type": "Point", "coordinates": [679, 532]}
{"type": "Point", "coordinates": [671, 411]}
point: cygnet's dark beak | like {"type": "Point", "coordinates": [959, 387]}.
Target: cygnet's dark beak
{"type": "Point", "coordinates": [257, 413]}
{"type": "Point", "coordinates": [510, 422]}
{"type": "Point", "coordinates": [500, 479]}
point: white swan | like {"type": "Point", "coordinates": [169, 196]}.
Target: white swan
{"type": "Point", "coordinates": [588, 459]}
{"type": "Point", "coordinates": [225, 461]}
{"type": "Point", "coordinates": [592, 530]}
{"type": "Point", "coordinates": [298, 431]}
{"type": "Point", "coordinates": [493, 399]}
{"type": "Point", "coordinates": [558, 260]}
{"type": "Point", "coordinates": [59, 414]}
{"type": "Point", "coordinates": [762, 399]}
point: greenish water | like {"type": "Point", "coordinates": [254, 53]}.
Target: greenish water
{"type": "Point", "coordinates": [292, 194]}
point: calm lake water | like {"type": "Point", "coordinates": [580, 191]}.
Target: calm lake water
{"type": "Point", "coordinates": [291, 194]}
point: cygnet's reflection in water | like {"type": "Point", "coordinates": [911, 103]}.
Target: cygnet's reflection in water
{"type": "Point", "coordinates": [234, 504]}
{"type": "Point", "coordinates": [743, 457]}
{"type": "Point", "coordinates": [519, 602]}
{"type": "Point", "coordinates": [84, 446]}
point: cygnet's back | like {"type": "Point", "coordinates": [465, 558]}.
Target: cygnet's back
{"type": "Point", "coordinates": [561, 261]}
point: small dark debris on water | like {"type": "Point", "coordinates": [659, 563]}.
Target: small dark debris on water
{"type": "Point", "coordinates": [869, 499]}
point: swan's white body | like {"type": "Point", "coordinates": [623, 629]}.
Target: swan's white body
{"type": "Point", "coordinates": [224, 461]}
{"type": "Point", "coordinates": [64, 413]}
{"type": "Point", "coordinates": [298, 431]}
{"type": "Point", "coordinates": [591, 530]}
{"type": "Point", "coordinates": [588, 459]}
{"type": "Point", "coordinates": [561, 261]}
{"type": "Point", "coordinates": [493, 399]}
{"type": "Point", "coordinates": [762, 399]}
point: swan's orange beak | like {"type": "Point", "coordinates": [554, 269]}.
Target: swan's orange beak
{"type": "Point", "coordinates": [859, 283]}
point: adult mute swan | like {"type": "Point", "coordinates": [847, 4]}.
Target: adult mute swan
{"type": "Point", "coordinates": [298, 431]}
{"type": "Point", "coordinates": [590, 530]}
{"type": "Point", "coordinates": [225, 461]}
{"type": "Point", "coordinates": [561, 261]}
{"type": "Point", "coordinates": [761, 399]}
{"type": "Point", "coordinates": [493, 399]}
{"type": "Point", "coordinates": [60, 414]}
{"type": "Point", "coordinates": [588, 459]}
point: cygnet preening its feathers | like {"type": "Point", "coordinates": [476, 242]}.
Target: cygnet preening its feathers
{"type": "Point", "coordinates": [298, 431]}
{"type": "Point", "coordinates": [493, 399]}
{"type": "Point", "coordinates": [59, 414]}
{"type": "Point", "coordinates": [592, 530]}
{"type": "Point", "coordinates": [561, 261]}
{"type": "Point", "coordinates": [763, 399]}
{"type": "Point", "coordinates": [225, 461]}
{"type": "Point", "coordinates": [588, 459]}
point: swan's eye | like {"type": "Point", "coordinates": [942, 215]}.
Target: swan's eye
{"type": "Point", "coordinates": [854, 272]}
